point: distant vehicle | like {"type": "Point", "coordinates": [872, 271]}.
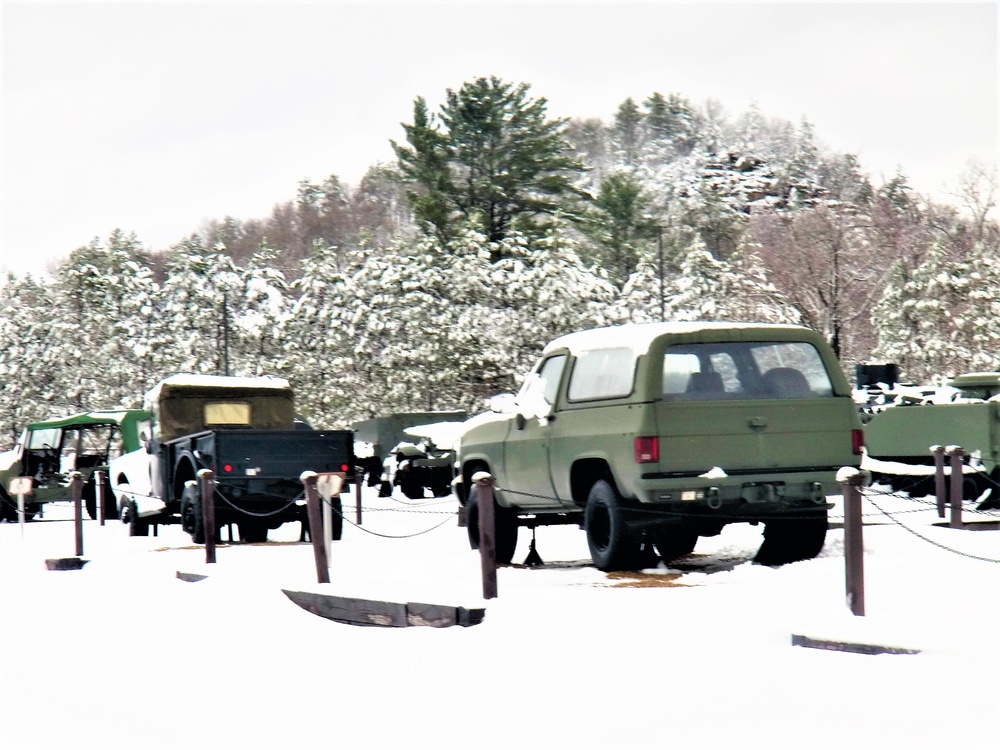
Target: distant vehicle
{"type": "Point", "coordinates": [650, 436]}
{"type": "Point", "coordinates": [246, 432]}
{"type": "Point", "coordinates": [410, 450]}
{"type": "Point", "coordinates": [965, 413]}
{"type": "Point", "coordinates": [50, 450]}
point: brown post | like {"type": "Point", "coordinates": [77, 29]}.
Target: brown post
{"type": "Point", "coordinates": [76, 485]}
{"type": "Point", "coordinates": [99, 495]}
{"type": "Point", "coordinates": [207, 477]}
{"type": "Point", "coordinates": [487, 533]}
{"type": "Point", "coordinates": [851, 481]}
{"type": "Point", "coordinates": [308, 478]}
{"type": "Point", "coordinates": [957, 480]}
{"type": "Point", "coordinates": [359, 474]}
{"type": "Point", "coordinates": [939, 485]}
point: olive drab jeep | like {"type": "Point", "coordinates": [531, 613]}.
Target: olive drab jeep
{"type": "Point", "coordinates": [651, 436]}
{"type": "Point", "coordinates": [49, 451]}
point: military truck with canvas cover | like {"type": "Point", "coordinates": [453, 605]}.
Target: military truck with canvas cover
{"type": "Point", "coordinates": [244, 430]}
{"type": "Point", "coordinates": [650, 436]}
{"type": "Point", "coordinates": [50, 450]}
{"type": "Point", "coordinates": [966, 414]}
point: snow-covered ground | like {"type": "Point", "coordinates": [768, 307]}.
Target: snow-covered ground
{"type": "Point", "coordinates": [123, 654]}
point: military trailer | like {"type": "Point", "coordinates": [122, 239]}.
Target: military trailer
{"type": "Point", "coordinates": [651, 436]}
{"type": "Point", "coordinates": [245, 431]}
{"type": "Point", "coordinates": [403, 450]}
{"type": "Point", "coordinates": [50, 450]}
{"type": "Point", "coordinates": [899, 437]}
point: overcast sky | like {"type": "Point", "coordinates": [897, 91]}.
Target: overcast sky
{"type": "Point", "coordinates": [153, 118]}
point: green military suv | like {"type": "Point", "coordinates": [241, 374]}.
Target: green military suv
{"type": "Point", "coordinates": [49, 451]}
{"type": "Point", "coordinates": [649, 436]}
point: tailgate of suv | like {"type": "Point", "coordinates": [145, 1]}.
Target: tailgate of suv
{"type": "Point", "coordinates": [755, 436]}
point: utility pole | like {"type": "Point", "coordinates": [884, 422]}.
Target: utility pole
{"type": "Point", "coordinates": [659, 258]}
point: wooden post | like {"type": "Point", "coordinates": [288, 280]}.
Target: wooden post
{"type": "Point", "coordinates": [957, 480]}
{"type": "Point", "coordinates": [308, 478]}
{"type": "Point", "coordinates": [76, 485]}
{"type": "Point", "coordinates": [207, 478]}
{"type": "Point", "coordinates": [939, 484]}
{"type": "Point", "coordinates": [487, 533]}
{"type": "Point", "coordinates": [359, 474]}
{"type": "Point", "coordinates": [851, 481]}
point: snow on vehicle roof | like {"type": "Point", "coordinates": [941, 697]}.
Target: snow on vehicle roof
{"type": "Point", "coordinates": [216, 381]}
{"type": "Point", "coordinates": [638, 336]}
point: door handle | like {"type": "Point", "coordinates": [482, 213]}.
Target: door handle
{"type": "Point", "coordinates": [757, 423]}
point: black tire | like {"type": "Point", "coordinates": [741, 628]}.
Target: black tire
{"type": "Point", "coordinates": [192, 516]}
{"type": "Point", "coordinates": [252, 532]}
{"type": "Point", "coordinates": [336, 519]}
{"type": "Point", "coordinates": [793, 539]}
{"type": "Point", "coordinates": [8, 508]}
{"type": "Point", "coordinates": [505, 531]}
{"type": "Point", "coordinates": [613, 545]}
{"type": "Point", "coordinates": [411, 489]}
{"type": "Point", "coordinates": [90, 500]}
{"type": "Point", "coordinates": [130, 517]}
{"type": "Point", "coordinates": [675, 542]}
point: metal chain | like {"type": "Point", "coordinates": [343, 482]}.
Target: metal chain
{"type": "Point", "coordinates": [253, 514]}
{"type": "Point", "coordinates": [390, 536]}
{"type": "Point", "coordinates": [931, 541]}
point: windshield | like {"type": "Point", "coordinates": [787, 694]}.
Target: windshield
{"type": "Point", "coordinates": [744, 370]}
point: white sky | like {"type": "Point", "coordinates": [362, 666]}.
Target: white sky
{"type": "Point", "coordinates": [153, 118]}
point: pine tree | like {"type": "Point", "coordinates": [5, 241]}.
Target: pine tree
{"type": "Point", "coordinates": [491, 158]}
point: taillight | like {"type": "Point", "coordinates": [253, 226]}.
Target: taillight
{"type": "Point", "coordinates": [647, 450]}
{"type": "Point", "coordinates": [344, 467]}
{"type": "Point", "coordinates": [228, 468]}
{"type": "Point", "coordinates": [857, 441]}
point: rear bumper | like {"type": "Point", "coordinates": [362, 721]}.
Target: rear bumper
{"type": "Point", "coordinates": [739, 490]}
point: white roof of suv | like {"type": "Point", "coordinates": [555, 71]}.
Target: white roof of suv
{"type": "Point", "coordinates": [638, 336]}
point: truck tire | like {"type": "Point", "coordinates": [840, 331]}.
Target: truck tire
{"type": "Point", "coordinates": [130, 516]}
{"type": "Point", "coordinates": [505, 532]}
{"type": "Point", "coordinates": [675, 542]}
{"type": "Point", "coordinates": [192, 519]}
{"type": "Point", "coordinates": [252, 532]}
{"type": "Point", "coordinates": [613, 545]}
{"type": "Point", "coordinates": [90, 499]}
{"type": "Point", "coordinates": [336, 519]}
{"type": "Point", "coordinates": [792, 539]}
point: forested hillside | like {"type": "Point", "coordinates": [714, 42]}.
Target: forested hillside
{"type": "Point", "coordinates": [435, 281]}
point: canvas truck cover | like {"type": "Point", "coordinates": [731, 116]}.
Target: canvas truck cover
{"type": "Point", "coordinates": [187, 404]}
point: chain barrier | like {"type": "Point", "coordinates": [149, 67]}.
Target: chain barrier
{"type": "Point", "coordinates": [931, 541]}
{"type": "Point", "coordinates": [340, 513]}
{"type": "Point", "coordinates": [253, 514]}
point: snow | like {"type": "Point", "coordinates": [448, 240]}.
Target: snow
{"type": "Point", "coordinates": [124, 654]}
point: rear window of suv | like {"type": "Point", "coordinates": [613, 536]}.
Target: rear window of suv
{"type": "Point", "coordinates": [744, 370]}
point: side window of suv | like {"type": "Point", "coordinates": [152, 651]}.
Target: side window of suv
{"type": "Point", "coordinates": [602, 373]}
{"type": "Point", "coordinates": [538, 394]}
